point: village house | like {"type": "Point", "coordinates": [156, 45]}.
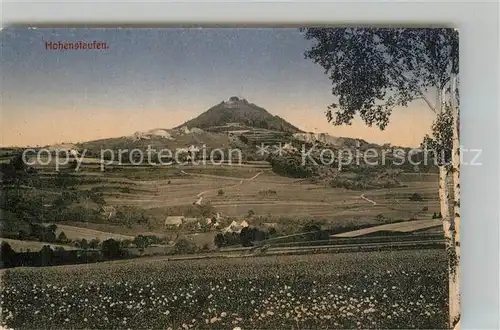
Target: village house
{"type": "Point", "coordinates": [235, 227]}
{"type": "Point", "coordinates": [174, 221]}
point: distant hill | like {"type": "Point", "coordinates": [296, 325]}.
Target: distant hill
{"type": "Point", "coordinates": [232, 123]}
{"type": "Point", "coordinates": [239, 112]}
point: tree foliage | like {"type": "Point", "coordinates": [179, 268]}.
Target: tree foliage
{"type": "Point", "coordinates": [373, 70]}
{"type": "Point", "coordinates": [439, 143]}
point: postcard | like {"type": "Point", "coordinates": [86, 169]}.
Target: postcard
{"type": "Point", "coordinates": [230, 178]}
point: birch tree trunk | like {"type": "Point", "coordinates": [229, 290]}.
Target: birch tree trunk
{"type": "Point", "coordinates": [455, 255]}
{"type": "Point", "coordinates": [448, 214]}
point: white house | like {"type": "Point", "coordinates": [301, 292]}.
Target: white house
{"type": "Point", "coordinates": [174, 221]}
{"type": "Point", "coordinates": [235, 227]}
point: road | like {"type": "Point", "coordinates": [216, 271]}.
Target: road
{"type": "Point", "coordinates": [334, 248]}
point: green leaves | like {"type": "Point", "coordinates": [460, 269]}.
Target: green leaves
{"type": "Point", "coordinates": [373, 70]}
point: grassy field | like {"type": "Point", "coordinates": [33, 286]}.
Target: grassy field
{"type": "Point", "coordinates": [80, 232]}
{"type": "Point", "coordinates": [34, 246]}
{"type": "Point", "coordinates": [241, 193]}
{"type": "Point", "coordinates": [234, 192]}
{"type": "Point", "coordinates": [384, 290]}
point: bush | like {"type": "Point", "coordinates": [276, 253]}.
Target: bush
{"type": "Point", "coordinates": [126, 243]}
{"type": "Point", "coordinates": [437, 215]}
{"type": "Point", "coordinates": [129, 215]}
{"type": "Point", "coordinates": [220, 192]}
{"type": "Point", "coordinates": [48, 236]}
{"type": "Point", "coordinates": [94, 244]}
{"type": "Point", "coordinates": [219, 240]}
{"type": "Point", "coordinates": [416, 197]}
{"type": "Point", "coordinates": [268, 192]}
{"type": "Point", "coordinates": [46, 255]}
{"type": "Point", "coordinates": [291, 166]}
{"type": "Point", "coordinates": [7, 255]}
{"type": "Point", "coordinates": [125, 190]}
{"type": "Point", "coordinates": [249, 235]}
{"type": "Point", "coordinates": [62, 238]}
{"type": "Point", "coordinates": [185, 246]}
{"type": "Point", "coordinates": [141, 242]}
{"type": "Point", "coordinates": [314, 231]}
{"type": "Point", "coordinates": [227, 239]}
{"type": "Point", "coordinates": [82, 244]}
{"type": "Point", "coordinates": [111, 249]}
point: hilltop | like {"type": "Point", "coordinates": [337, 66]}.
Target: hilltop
{"type": "Point", "coordinates": [239, 112]}
{"type": "Point", "coordinates": [232, 123]}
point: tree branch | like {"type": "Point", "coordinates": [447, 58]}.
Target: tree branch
{"type": "Point", "coordinates": [420, 92]}
{"type": "Point", "coordinates": [427, 101]}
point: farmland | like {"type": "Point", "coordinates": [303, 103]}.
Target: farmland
{"type": "Point", "coordinates": [20, 246]}
{"type": "Point", "coordinates": [233, 191]}
{"type": "Point", "coordinates": [404, 289]}
{"type": "Point", "coordinates": [162, 188]}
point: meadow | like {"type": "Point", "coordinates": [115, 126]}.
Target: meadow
{"type": "Point", "coordinates": [143, 196]}
{"type": "Point", "coordinates": [234, 191]}
{"type": "Point", "coordinates": [391, 290]}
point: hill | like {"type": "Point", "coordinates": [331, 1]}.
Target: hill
{"type": "Point", "coordinates": [160, 139]}
{"type": "Point", "coordinates": [239, 112]}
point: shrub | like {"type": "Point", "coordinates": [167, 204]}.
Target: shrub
{"type": "Point", "coordinates": [46, 255]}
{"type": "Point", "coordinates": [185, 246]}
{"type": "Point", "coordinates": [111, 249]}
{"type": "Point", "coordinates": [125, 190]}
{"type": "Point", "coordinates": [62, 238]}
{"type": "Point", "coordinates": [48, 236]}
{"type": "Point", "coordinates": [83, 244]}
{"type": "Point", "coordinates": [416, 197]}
{"type": "Point", "coordinates": [267, 192]}
{"type": "Point", "coordinates": [126, 243]}
{"type": "Point", "coordinates": [291, 166]}
{"type": "Point", "coordinates": [314, 231]}
{"type": "Point", "coordinates": [94, 244]}
{"type": "Point", "coordinates": [219, 240]}
{"type": "Point", "coordinates": [141, 241]}
{"type": "Point", "coordinates": [437, 216]}
{"type": "Point", "coordinates": [7, 255]}
{"type": "Point", "coordinates": [220, 192]}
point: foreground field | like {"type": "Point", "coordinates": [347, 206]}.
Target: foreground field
{"type": "Point", "coordinates": [404, 289]}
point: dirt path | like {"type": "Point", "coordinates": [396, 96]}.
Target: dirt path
{"type": "Point", "coordinates": [200, 195]}
{"type": "Point", "coordinates": [367, 199]}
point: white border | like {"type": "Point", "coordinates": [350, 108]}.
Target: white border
{"type": "Point", "coordinates": [479, 75]}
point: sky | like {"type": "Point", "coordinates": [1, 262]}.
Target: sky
{"type": "Point", "coordinates": [159, 78]}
